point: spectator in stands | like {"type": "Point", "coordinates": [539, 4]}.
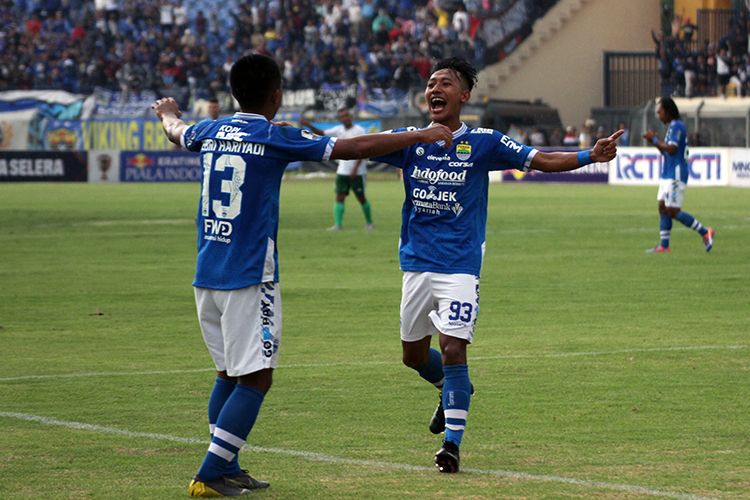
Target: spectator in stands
{"type": "Point", "coordinates": [214, 110]}
{"type": "Point", "coordinates": [723, 73]}
{"type": "Point", "coordinates": [624, 139]}
{"type": "Point", "coordinates": [570, 139]}
{"type": "Point", "coordinates": [587, 133]}
{"type": "Point", "coordinates": [402, 34]}
{"type": "Point", "coordinates": [537, 138]}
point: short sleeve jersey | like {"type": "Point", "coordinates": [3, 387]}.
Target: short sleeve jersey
{"type": "Point", "coordinates": [243, 158]}
{"type": "Point", "coordinates": [345, 167]}
{"type": "Point", "coordinates": [445, 208]}
{"type": "Point", "coordinates": [675, 165]}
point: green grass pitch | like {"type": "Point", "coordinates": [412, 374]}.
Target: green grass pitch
{"type": "Point", "coordinates": [601, 371]}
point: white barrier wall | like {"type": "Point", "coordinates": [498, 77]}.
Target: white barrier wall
{"type": "Point", "coordinates": [739, 174]}
{"type": "Point", "coordinates": [641, 166]}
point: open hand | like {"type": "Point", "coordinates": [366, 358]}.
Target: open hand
{"type": "Point", "coordinates": [606, 149]}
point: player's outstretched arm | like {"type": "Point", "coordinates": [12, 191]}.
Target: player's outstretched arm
{"type": "Point", "coordinates": [304, 122]}
{"type": "Point", "coordinates": [368, 145]}
{"type": "Point", "coordinates": [603, 151]}
{"type": "Point", "coordinates": [168, 112]}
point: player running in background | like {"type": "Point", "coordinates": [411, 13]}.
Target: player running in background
{"type": "Point", "coordinates": [236, 281]}
{"type": "Point", "coordinates": [443, 240]}
{"type": "Point", "coordinates": [674, 177]}
{"type": "Point", "coordinates": [350, 174]}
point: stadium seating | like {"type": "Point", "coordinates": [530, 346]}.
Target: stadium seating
{"type": "Point", "coordinates": [135, 45]}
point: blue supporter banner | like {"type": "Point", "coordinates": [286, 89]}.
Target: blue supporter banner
{"type": "Point", "coordinates": [164, 166]}
{"type": "Point", "coordinates": [389, 102]}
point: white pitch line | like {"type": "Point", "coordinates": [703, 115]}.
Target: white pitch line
{"type": "Point", "coordinates": [321, 457]}
{"type": "Point", "coordinates": [375, 363]}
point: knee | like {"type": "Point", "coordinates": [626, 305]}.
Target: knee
{"type": "Point", "coordinates": [414, 361]}
{"type": "Point", "coordinates": [454, 353]}
{"type": "Point", "coordinates": [261, 380]}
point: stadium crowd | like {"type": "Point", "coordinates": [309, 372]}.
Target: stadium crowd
{"type": "Point", "coordinates": [689, 67]}
{"type": "Point", "coordinates": [186, 47]}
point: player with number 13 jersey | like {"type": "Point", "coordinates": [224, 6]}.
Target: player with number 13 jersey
{"type": "Point", "coordinates": [243, 159]}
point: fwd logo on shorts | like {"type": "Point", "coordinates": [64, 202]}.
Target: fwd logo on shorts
{"type": "Point", "coordinates": [217, 230]}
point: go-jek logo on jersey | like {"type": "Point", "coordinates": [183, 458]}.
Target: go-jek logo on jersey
{"type": "Point", "coordinates": [435, 202]}
{"type": "Point", "coordinates": [438, 176]}
{"type": "Point", "coordinates": [432, 194]}
{"type": "Point", "coordinates": [217, 230]}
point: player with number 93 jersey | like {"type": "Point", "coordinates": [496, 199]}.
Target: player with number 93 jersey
{"type": "Point", "coordinates": [444, 214]}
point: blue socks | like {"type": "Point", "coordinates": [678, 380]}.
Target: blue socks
{"type": "Point", "coordinates": [456, 396]}
{"type": "Point", "coordinates": [433, 370]}
{"type": "Point", "coordinates": [691, 222]}
{"type": "Point", "coordinates": [234, 422]}
{"type": "Point", "coordinates": [222, 390]}
{"type": "Point", "coordinates": [665, 229]}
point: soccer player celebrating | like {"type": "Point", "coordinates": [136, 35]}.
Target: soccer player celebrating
{"type": "Point", "coordinates": [442, 240]}
{"type": "Point", "coordinates": [674, 177]}
{"type": "Point", "coordinates": [350, 174]}
{"type": "Point", "coordinates": [236, 281]}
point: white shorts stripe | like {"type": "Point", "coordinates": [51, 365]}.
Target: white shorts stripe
{"type": "Point", "coordinates": [459, 414]}
{"type": "Point", "coordinates": [222, 452]}
{"type": "Point", "coordinates": [229, 437]}
{"type": "Point", "coordinates": [454, 427]}
{"type": "Point", "coordinates": [211, 428]}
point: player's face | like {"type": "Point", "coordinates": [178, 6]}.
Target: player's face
{"type": "Point", "coordinates": [446, 92]}
{"type": "Point", "coordinates": [213, 110]}
{"type": "Point", "coordinates": [346, 118]}
{"type": "Point", "coordinates": [661, 114]}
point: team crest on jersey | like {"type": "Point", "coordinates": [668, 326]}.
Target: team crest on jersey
{"type": "Point", "coordinates": [420, 151]}
{"type": "Point", "coordinates": [463, 150]}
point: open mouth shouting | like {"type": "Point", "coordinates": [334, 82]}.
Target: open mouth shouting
{"type": "Point", "coordinates": [437, 104]}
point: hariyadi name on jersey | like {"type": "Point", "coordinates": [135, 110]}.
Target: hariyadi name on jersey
{"type": "Point", "coordinates": [243, 148]}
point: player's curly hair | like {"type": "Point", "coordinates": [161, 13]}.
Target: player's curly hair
{"type": "Point", "coordinates": [252, 79]}
{"type": "Point", "coordinates": [669, 107]}
{"type": "Point", "coordinates": [460, 66]}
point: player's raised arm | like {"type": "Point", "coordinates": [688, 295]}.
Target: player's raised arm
{"type": "Point", "coordinates": [662, 146]}
{"type": "Point", "coordinates": [168, 112]}
{"type": "Point", "coordinates": [369, 145]}
{"type": "Point", "coordinates": [603, 151]}
{"type": "Point", "coordinates": [304, 122]}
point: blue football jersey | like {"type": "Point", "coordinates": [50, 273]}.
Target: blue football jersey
{"type": "Point", "coordinates": [243, 158]}
{"type": "Point", "coordinates": [445, 208]}
{"type": "Point", "coordinates": [675, 166]}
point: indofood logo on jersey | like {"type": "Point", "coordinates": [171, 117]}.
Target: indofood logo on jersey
{"type": "Point", "coordinates": [438, 176]}
{"type": "Point", "coordinates": [463, 151]}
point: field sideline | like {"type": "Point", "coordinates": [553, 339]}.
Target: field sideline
{"type": "Point", "coordinates": [601, 372]}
